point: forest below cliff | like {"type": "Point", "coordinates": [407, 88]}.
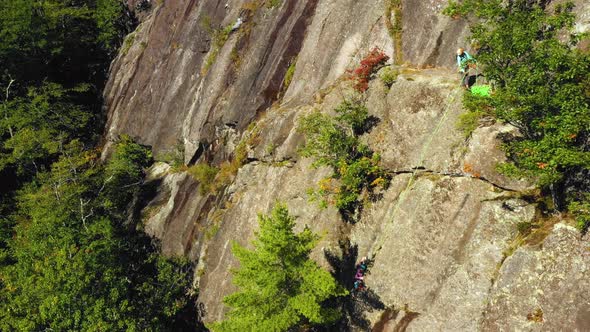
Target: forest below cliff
{"type": "Point", "coordinates": [73, 255]}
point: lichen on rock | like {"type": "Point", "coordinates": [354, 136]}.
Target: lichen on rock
{"type": "Point", "coordinates": [439, 233]}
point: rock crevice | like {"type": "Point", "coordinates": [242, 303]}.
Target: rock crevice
{"type": "Point", "coordinates": [440, 231]}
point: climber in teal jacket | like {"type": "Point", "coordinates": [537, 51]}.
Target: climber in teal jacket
{"type": "Point", "coordinates": [463, 62]}
{"type": "Point", "coordinates": [462, 58]}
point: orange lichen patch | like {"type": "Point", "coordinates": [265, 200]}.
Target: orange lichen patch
{"type": "Point", "coordinates": [379, 182]}
{"type": "Point", "coordinates": [468, 168]}
{"type": "Point", "coordinates": [251, 5]}
{"type": "Point", "coordinates": [328, 185]}
{"type": "Point", "coordinates": [542, 165]}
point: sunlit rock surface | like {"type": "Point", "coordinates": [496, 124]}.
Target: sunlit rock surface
{"type": "Point", "coordinates": [444, 235]}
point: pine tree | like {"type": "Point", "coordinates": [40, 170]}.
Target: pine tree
{"type": "Point", "coordinates": [280, 286]}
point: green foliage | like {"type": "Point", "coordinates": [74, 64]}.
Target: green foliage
{"type": "Point", "coordinates": [581, 211]}
{"type": "Point", "coordinates": [389, 76]}
{"type": "Point", "coordinates": [525, 228]}
{"type": "Point", "coordinates": [334, 142]}
{"type": "Point", "coordinates": [162, 288]}
{"type": "Point", "coordinates": [327, 141]}
{"type": "Point", "coordinates": [205, 175]}
{"type": "Point", "coordinates": [218, 39]}
{"type": "Point", "coordinates": [469, 121]}
{"type": "Point", "coordinates": [273, 3]}
{"type": "Point", "coordinates": [127, 43]}
{"type": "Point", "coordinates": [289, 74]}
{"type": "Point", "coordinates": [477, 108]}
{"type": "Point", "coordinates": [212, 231]}
{"type": "Point", "coordinates": [69, 256]}
{"type": "Point", "coordinates": [353, 114]}
{"type": "Point", "coordinates": [75, 266]}
{"type": "Point", "coordinates": [395, 28]}
{"type": "Point", "coordinates": [481, 90]}
{"type": "Point", "coordinates": [229, 168]}
{"type": "Point", "coordinates": [173, 157]}
{"type": "Point", "coordinates": [355, 176]}
{"type": "Point", "coordinates": [109, 21]}
{"type": "Point", "coordinates": [478, 8]}
{"type": "Point", "coordinates": [124, 174]}
{"type": "Point", "coordinates": [50, 38]}
{"type": "Point", "coordinates": [35, 126]}
{"type": "Point", "coordinates": [54, 56]}
{"type": "Point", "coordinates": [280, 286]}
{"type": "Point", "coordinates": [541, 82]}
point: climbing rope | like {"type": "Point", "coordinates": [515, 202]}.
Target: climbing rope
{"type": "Point", "coordinates": [379, 244]}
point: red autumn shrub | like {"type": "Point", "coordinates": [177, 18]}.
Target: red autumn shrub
{"type": "Point", "coordinates": [368, 66]}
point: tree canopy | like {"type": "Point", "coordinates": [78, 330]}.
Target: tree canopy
{"type": "Point", "coordinates": [54, 57]}
{"type": "Point", "coordinates": [76, 266]}
{"type": "Point", "coordinates": [280, 286]}
{"type": "Point", "coordinates": [542, 87]}
{"type": "Point", "coordinates": [70, 256]}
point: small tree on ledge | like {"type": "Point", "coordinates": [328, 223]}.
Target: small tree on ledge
{"type": "Point", "coordinates": [280, 286]}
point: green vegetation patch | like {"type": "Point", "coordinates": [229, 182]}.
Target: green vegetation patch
{"type": "Point", "coordinates": [273, 3]}
{"type": "Point", "coordinates": [334, 142]}
{"type": "Point", "coordinates": [581, 210]}
{"type": "Point", "coordinates": [127, 43]}
{"type": "Point", "coordinates": [218, 39]}
{"type": "Point", "coordinates": [75, 265]}
{"type": "Point", "coordinates": [289, 74]}
{"type": "Point", "coordinates": [205, 175]}
{"type": "Point", "coordinates": [71, 258]}
{"type": "Point", "coordinates": [211, 178]}
{"type": "Point", "coordinates": [541, 87]}
{"type": "Point", "coordinates": [389, 76]}
{"type": "Point", "coordinates": [395, 27]}
{"type": "Point", "coordinates": [279, 274]}
{"type": "Point", "coordinates": [477, 107]}
{"type": "Point", "coordinates": [481, 90]}
{"type": "Point", "coordinates": [173, 157]}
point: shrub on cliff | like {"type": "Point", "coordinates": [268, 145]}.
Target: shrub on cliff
{"type": "Point", "coordinates": [541, 80]}
{"type": "Point", "coordinates": [581, 209]}
{"type": "Point", "coordinates": [334, 142]}
{"type": "Point", "coordinates": [205, 175]}
{"type": "Point", "coordinates": [368, 66]}
{"type": "Point", "coordinates": [389, 76]}
{"type": "Point", "coordinates": [280, 286]}
{"type": "Point", "coordinates": [328, 141]}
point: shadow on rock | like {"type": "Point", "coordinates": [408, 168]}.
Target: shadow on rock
{"type": "Point", "coordinates": [352, 213]}
{"type": "Point", "coordinates": [370, 123]}
{"type": "Point", "coordinates": [354, 306]}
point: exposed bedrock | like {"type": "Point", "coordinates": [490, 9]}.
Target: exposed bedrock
{"type": "Point", "coordinates": [448, 253]}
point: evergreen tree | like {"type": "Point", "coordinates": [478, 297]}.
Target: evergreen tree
{"type": "Point", "coordinates": [76, 265]}
{"type": "Point", "coordinates": [280, 286]}
{"type": "Point", "coordinates": [54, 56]}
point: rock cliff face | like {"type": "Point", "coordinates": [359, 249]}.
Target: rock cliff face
{"type": "Point", "coordinates": [447, 235]}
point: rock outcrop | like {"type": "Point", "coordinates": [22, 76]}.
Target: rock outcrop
{"type": "Point", "coordinates": [543, 287]}
{"type": "Point", "coordinates": [443, 235]}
